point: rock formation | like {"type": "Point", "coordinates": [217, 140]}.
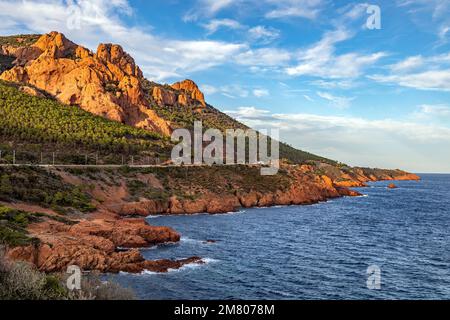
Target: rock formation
{"type": "Point", "coordinates": [107, 83]}
{"type": "Point", "coordinates": [184, 93]}
{"type": "Point", "coordinates": [189, 90]}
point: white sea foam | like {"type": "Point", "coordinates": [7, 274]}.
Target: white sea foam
{"type": "Point", "coordinates": [189, 240]}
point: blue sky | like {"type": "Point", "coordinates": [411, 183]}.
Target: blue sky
{"type": "Point", "coordinates": [312, 68]}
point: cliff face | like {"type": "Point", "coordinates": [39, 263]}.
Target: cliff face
{"type": "Point", "coordinates": [107, 83]}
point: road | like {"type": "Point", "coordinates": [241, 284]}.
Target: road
{"type": "Point", "coordinates": [111, 166]}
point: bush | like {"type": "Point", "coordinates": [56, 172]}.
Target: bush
{"type": "Point", "coordinates": [21, 281]}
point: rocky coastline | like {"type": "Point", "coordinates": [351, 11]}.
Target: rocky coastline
{"type": "Point", "coordinates": [109, 240]}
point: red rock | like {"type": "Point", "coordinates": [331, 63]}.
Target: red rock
{"type": "Point", "coordinates": [192, 89]}
{"type": "Point", "coordinates": [108, 83]}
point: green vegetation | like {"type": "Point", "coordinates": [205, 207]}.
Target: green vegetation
{"type": "Point", "coordinates": [22, 281]}
{"type": "Point", "coordinates": [21, 40]}
{"type": "Point", "coordinates": [41, 187]}
{"type": "Point", "coordinates": [13, 224]}
{"type": "Point", "coordinates": [139, 189]}
{"type": "Point", "coordinates": [190, 182]}
{"type": "Point", "coordinates": [40, 122]}
{"type": "Point", "coordinates": [184, 117]}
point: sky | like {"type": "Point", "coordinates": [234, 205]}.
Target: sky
{"type": "Point", "coordinates": [323, 72]}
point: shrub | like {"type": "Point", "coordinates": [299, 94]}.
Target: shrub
{"type": "Point", "coordinates": [22, 281]}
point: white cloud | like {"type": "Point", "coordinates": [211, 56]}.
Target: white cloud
{"type": "Point", "coordinates": [265, 57]}
{"type": "Point", "coordinates": [428, 111]}
{"type": "Point", "coordinates": [385, 143]}
{"type": "Point", "coordinates": [308, 98]}
{"type": "Point", "coordinates": [216, 24]}
{"type": "Point", "coordinates": [428, 80]}
{"type": "Point", "coordinates": [207, 8]}
{"type": "Point", "coordinates": [336, 101]}
{"type": "Point", "coordinates": [434, 15]}
{"type": "Point", "coordinates": [160, 58]}
{"type": "Point", "coordinates": [260, 93]}
{"type": "Point", "coordinates": [408, 64]}
{"type": "Point", "coordinates": [234, 91]}
{"type": "Point", "coordinates": [263, 34]}
{"type": "Point", "coordinates": [418, 72]}
{"type": "Point", "coordinates": [334, 84]}
{"type": "Point", "coordinates": [308, 9]}
{"type": "Point", "coordinates": [208, 89]}
{"type": "Point", "coordinates": [320, 60]}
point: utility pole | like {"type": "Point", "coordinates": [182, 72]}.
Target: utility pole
{"type": "Point", "coordinates": [85, 159]}
{"type": "Point", "coordinates": [14, 157]}
{"type": "Point", "coordinates": [132, 160]}
{"type": "Point", "coordinates": [42, 159]}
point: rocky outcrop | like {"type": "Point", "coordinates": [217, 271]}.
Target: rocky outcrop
{"type": "Point", "coordinates": [190, 90]}
{"type": "Point", "coordinates": [107, 83]}
{"type": "Point", "coordinates": [90, 258]}
{"type": "Point", "coordinates": [98, 244]}
{"type": "Point", "coordinates": [164, 97]}
{"type": "Point", "coordinates": [184, 93]}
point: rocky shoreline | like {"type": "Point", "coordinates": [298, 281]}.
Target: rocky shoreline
{"type": "Point", "coordinates": [108, 240]}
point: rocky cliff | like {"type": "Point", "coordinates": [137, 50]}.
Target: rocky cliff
{"type": "Point", "coordinates": [107, 83]}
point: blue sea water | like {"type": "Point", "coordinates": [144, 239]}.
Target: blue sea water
{"type": "Point", "coordinates": [320, 251]}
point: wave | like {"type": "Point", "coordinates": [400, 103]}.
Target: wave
{"type": "Point", "coordinates": [195, 265]}
{"type": "Point", "coordinates": [189, 240]}
{"type": "Point", "coordinates": [188, 266]}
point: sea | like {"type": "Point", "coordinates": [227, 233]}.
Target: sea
{"type": "Point", "coordinates": [386, 244]}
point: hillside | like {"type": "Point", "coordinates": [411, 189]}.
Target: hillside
{"type": "Point", "coordinates": [117, 91]}
{"type": "Point", "coordinates": [32, 125]}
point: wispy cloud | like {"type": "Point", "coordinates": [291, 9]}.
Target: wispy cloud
{"type": "Point", "coordinates": [215, 24]}
{"type": "Point", "coordinates": [260, 93]}
{"type": "Point", "coordinates": [308, 9]}
{"type": "Point", "coordinates": [207, 8]}
{"type": "Point", "coordinates": [264, 57]}
{"type": "Point", "coordinates": [263, 35]}
{"type": "Point", "coordinates": [429, 111]}
{"type": "Point", "coordinates": [320, 59]}
{"type": "Point", "coordinates": [418, 72]}
{"type": "Point", "coordinates": [436, 13]}
{"type": "Point", "coordinates": [336, 101]}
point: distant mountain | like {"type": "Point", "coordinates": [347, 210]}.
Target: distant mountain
{"type": "Point", "coordinates": [107, 83]}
